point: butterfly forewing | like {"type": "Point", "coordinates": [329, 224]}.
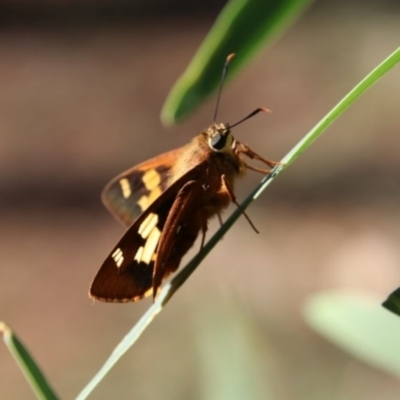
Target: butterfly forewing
{"type": "Point", "coordinates": [180, 231]}
{"type": "Point", "coordinates": [127, 273]}
{"type": "Point", "coordinates": [132, 192]}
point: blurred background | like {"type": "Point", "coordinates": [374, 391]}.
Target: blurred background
{"type": "Point", "coordinates": [81, 88]}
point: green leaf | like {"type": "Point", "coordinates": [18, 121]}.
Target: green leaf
{"type": "Point", "coordinates": [27, 364]}
{"type": "Point", "coordinates": [357, 324]}
{"type": "Point", "coordinates": [242, 27]}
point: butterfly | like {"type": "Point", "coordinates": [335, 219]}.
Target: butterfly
{"type": "Point", "coordinates": [166, 202]}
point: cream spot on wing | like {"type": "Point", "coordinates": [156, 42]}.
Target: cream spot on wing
{"type": "Point", "coordinates": [138, 255]}
{"type": "Point", "coordinates": [125, 187]}
{"type": "Point", "coordinates": [156, 192]}
{"type": "Point", "coordinates": [148, 225]}
{"type": "Point", "coordinates": [118, 257]}
{"type": "Point", "coordinates": [148, 292]}
{"type": "Point", "coordinates": [151, 245]}
{"type": "Point", "coordinates": [143, 202]}
{"type": "Point", "coordinates": [151, 179]}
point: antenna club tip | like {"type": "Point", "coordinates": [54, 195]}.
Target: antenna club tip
{"type": "Point", "coordinates": [265, 109]}
{"type": "Point", "coordinates": [230, 57]}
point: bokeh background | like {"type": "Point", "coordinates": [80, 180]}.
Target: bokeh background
{"type": "Point", "coordinates": [81, 88]}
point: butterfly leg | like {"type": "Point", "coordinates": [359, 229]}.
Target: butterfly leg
{"type": "Point", "coordinates": [203, 237]}
{"type": "Point", "coordinates": [220, 219]}
{"type": "Point", "coordinates": [243, 149]}
{"type": "Point", "coordinates": [233, 199]}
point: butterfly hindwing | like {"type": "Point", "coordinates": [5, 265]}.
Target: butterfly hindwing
{"type": "Point", "coordinates": [132, 192]}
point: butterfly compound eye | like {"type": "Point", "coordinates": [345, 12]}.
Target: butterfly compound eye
{"type": "Point", "coordinates": [219, 140]}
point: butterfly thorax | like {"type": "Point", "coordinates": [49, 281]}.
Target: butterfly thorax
{"type": "Point", "coordinates": [211, 155]}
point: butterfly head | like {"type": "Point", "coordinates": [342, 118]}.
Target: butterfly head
{"type": "Point", "coordinates": [220, 138]}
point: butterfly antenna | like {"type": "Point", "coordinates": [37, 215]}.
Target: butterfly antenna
{"type": "Point", "coordinates": [252, 114]}
{"type": "Point", "coordinates": [224, 72]}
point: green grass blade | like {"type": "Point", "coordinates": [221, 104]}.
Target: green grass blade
{"type": "Point", "coordinates": [344, 104]}
{"type": "Point", "coordinates": [27, 364]}
{"type": "Point", "coordinates": [171, 287]}
{"type": "Point", "coordinates": [242, 27]}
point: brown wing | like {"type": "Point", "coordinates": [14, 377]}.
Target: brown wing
{"type": "Point", "coordinates": [180, 231]}
{"type": "Point", "coordinates": [131, 193]}
{"type": "Point", "coordinates": [128, 273]}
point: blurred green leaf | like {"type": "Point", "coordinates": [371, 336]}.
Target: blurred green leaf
{"type": "Point", "coordinates": [393, 302]}
{"type": "Point", "coordinates": [357, 324]}
{"type": "Point", "coordinates": [27, 364]}
{"type": "Point", "coordinates": [242, 27]}
{"type": "Point", "coordinates": [233, 355]}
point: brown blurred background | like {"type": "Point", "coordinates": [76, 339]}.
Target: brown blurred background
{"type": "Point", "coordinates": [81, 88]}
